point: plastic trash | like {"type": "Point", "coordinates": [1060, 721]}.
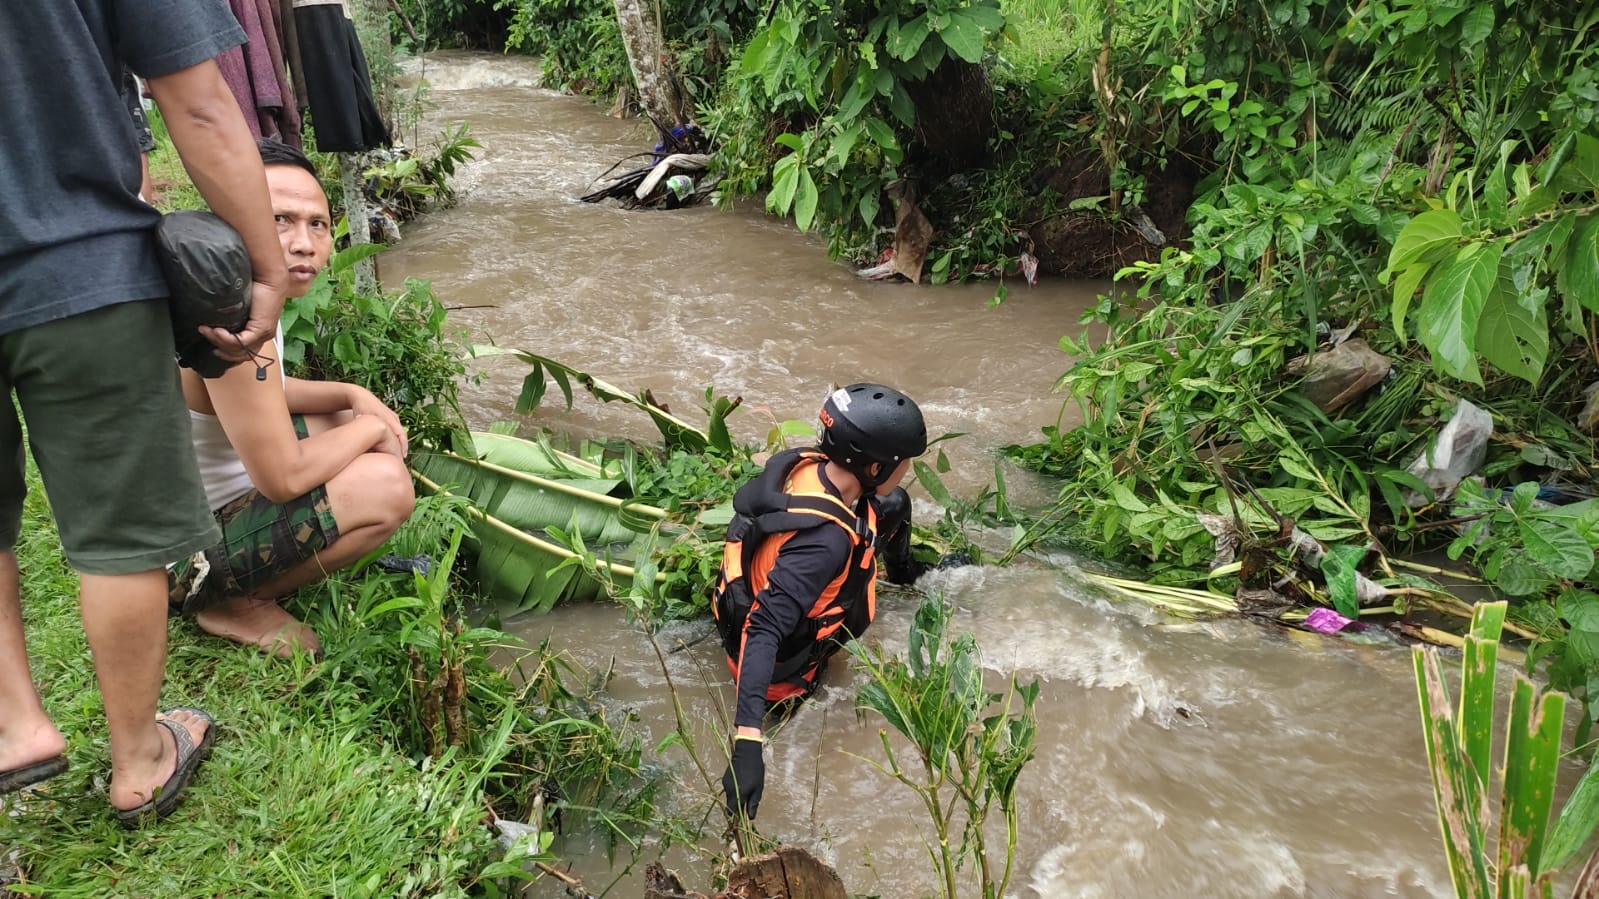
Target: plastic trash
{"type": "Point", "coordinates": [680, 186]}
{"type": "Point", "coordinates": [1326, 621]}
{"type": "Point", "coordinates": [1455, 455]}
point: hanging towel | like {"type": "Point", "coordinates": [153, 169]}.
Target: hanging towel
{"type": "Point", "coordinates": [251, 75]}
{"type": "Point", "coordinates": [287, 115]}
{"type": "Point", "coordinates": [343, 113]}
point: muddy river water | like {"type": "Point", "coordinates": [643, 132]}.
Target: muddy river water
{"type": "Point", "coordinates": [1222, 759]}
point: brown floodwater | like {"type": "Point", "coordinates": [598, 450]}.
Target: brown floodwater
{"type": "Point", "coordinates": [1218, 759]}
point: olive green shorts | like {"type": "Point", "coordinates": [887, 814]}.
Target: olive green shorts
{"type": "Point", "coordinates": [107, 425]}
{"type": "Point", "coordinates": [260, 540]}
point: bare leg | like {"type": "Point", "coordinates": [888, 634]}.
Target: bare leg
{"type": "Point", "coordinates": [371, 498]}
{"type": "Point", "coordinates": [125, 619]}
{"type": "Point", "coordinates": [26, 734]}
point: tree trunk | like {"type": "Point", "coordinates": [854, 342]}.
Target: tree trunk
{"type": "Point", "coordinates": [954, 117]}
{"type": "Point", "coordinates": [641, 35]}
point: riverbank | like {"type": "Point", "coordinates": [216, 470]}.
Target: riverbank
{"type": "Point", "coordinates": [317, 784]}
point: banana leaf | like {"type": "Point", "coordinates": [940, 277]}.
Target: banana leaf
{"type": "Point", "coordinates": [529, 571]}
{"type": "Point", "coordinates": [531, 503]}
{"type": "Point", "coordinates": [542, 460]}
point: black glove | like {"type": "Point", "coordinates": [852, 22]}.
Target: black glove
{"type": "Point", "coordinates": [745, 777]}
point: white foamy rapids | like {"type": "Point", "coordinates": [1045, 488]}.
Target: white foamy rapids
{"type": "Point", "coordinates": [456, 72]}
{"type": "Point", "coordinates": [1026, 637]}
{"type": "Point", "coordinates": [1219, 861]}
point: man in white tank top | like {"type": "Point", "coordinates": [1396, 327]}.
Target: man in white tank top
{"type": "Point", "coordinates": [305, 477]}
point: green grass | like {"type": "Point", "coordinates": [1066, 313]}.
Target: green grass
{"type": "Point", "coordinates": [318, 785]}
{"type": "Point", "coordinates": [299, 798]}
{"type": "Point", "coordinates": [1046, 34]}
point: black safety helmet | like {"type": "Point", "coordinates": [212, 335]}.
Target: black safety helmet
{"type": "Point", "coordinates": [867, 423]}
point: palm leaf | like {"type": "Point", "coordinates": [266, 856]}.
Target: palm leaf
{"type": "Point", "coordinates": [1457, 787]}
{"type": "Point", "coordinates": [1532, 762]}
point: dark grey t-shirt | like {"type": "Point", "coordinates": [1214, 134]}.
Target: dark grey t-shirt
{"type": "Point", "coordinates": [74, 236]}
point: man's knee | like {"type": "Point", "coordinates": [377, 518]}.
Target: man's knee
{"type": "Point", "coordinates": [389, 488]}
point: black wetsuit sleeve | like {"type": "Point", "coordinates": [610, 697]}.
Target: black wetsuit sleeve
{"type": "Point", "coordinates": [806, 564]}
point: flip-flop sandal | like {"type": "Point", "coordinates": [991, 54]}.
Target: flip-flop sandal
{"type": "Point", "coordinates": [170, 794]}
{"type": "Point", "coordinates": [28, 775]}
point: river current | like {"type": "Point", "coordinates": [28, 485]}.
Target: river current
{"type": "Point", "coordinates": [1174, 759]}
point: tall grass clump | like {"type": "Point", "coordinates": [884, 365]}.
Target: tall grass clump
{"type": "Point", "coordinates": [969, 744]}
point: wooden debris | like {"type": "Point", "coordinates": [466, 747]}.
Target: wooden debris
{"type": "Point", "coordinates": [788, 872]}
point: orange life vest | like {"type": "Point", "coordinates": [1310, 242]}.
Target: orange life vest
{"type": "Point", "coordinates": [788, 497]}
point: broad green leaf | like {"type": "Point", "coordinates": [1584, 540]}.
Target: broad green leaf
{"type": "Point", "coordinates": [755, 54]}
{"type": "Point", "coordinates": [904, 41]}
{"type": "Point", "coordinates": [785, 183]}
{"type": "Point", "coordinates": [1339, 567]}
{"type": "Point", "coordinates": [933, 484]}
{"type": "Point", "coordinates": [963, 35]}
{"type": "Point", "coordinates": [805, 201]}
{"type": "Point", "coordinates": [901, 105]}
{"type": "Point", "coordinates": [1476, 25]}
{"type": "Point", "coordinates": [1429, 237]}
{"type": "Point", "coordinates": [1580, 609]}
{"type": "Point", "coordinates": [1556, 548]}
{"type": "Point", "coordinates": [1509, 335]}
{"type": "Point", "coordinates": [869, 208]}
{"type": "Point", "coordinates": [1518, 575]}
{"type": "Point", "coordinates": [1581, 268]}
{"type": "Point", "coordinates": [1125, 498]}
{"type": "Point", "coordinates": [1576, 823]}
{"type": "Point", "coordinates": [790, 140]}
{"type": "Point", "coordinates": [1451, 308]}
{"type": "Point", "coordinates": [1580, 171]}
{"type": "Point", "coordinates": [881, 134]}
{"type": "Point", "coordinates": [1404, 291]}
{"type": "Point", "coordinates": [860, 93]}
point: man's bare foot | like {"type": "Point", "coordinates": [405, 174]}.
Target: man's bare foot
{"type": "Point", "coordinates": [259, 623]}
{"type": "Point", "coordinates": [139, 784]}
{"type": "Point", "coordinates": [31, 745]}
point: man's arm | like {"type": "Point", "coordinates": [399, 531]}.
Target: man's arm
{"type": "Point", "coordinates": [210, 134]}
{"type": "Point", "coordinates": [805, 565]}
{"type": "Point", "coordinates": [255, 416]}
{"type": "Point", "coordinates": [328, 397]}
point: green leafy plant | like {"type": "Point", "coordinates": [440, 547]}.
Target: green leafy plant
{"type": "Point", "coordinates": [970, 745]}
{"type": "Point", "coordinates": [844, 74]}
{"type": "Point", "coordinates": [1498, 266]}
{"type": "Point", "coordinates": [394, 344]}
{"type": "Point", "coordinates": [1520, 856]}
{"type": "Point", "coordinates": [413, 184]}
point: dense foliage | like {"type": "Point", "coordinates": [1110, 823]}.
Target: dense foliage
{"type": "Point", "coordinates": [1419, 175]}
{"type": "Point", "coordinates": [394, 344]}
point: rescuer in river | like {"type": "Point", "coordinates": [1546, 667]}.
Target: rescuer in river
{"type": "Point", "coordinates": [800, 566]}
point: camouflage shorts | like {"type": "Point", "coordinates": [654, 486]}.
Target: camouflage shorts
{"type": "Point", "coordinates": [260, 540]}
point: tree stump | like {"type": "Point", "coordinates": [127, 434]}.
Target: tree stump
{"type": "Point", "coordinates": [787, 873]}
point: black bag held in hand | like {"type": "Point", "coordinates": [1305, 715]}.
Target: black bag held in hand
{"type": "Point", "coordinates": [209, 278]}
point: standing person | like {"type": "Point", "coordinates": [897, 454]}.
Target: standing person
{"type": "Point", "coordinates": [86, 345]}
{"type": "Point", "coordinates": [304, 477]}
{"type": "Point", "coordinates": [799, 573]}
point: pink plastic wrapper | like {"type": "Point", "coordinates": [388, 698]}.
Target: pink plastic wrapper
{"type": "Point", "coordinates": [1326, 621]}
